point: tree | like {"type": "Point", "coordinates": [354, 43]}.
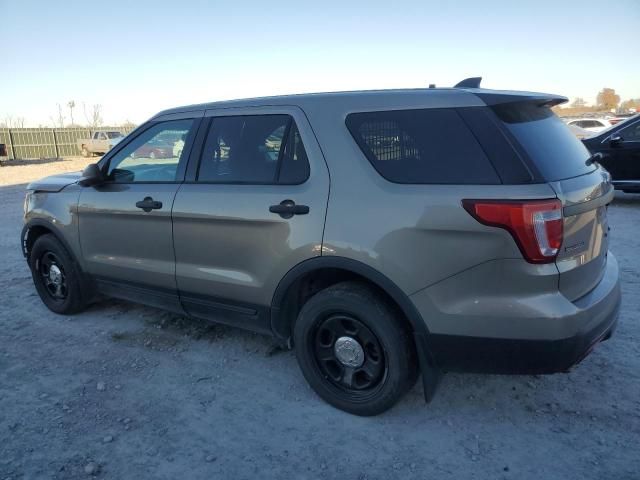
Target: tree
{"type": "Point", "coordinates": [58, 122]}
{"type": "Point", "coordinates": [12, 122]}
{"type": "Point", "coordinates": [632, 103]}
{"type": "Point", "coordinates": [94, 117]}
{"type": "Point", "coordinates": [71, 106]}
{"type": "Point", "coordinates": [578, 103]}
{"type": "Point", "coordinates": [608, 99]}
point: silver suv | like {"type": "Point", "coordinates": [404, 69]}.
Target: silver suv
{"type": "Point", "coordinates": [380, 234]}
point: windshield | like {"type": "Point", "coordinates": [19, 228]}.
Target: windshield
{"type": "Point", "coordinates": [556, 152]}
{"type": "Point", "coordinates": [114, 134]}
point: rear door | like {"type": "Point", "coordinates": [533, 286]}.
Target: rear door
{"type": "Point", "coordinates": [560, 159]}
{"type": "Point", "coordinates": [252, 208]}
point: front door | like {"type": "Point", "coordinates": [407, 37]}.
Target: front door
{"type": "Point", "coordinates": [252, 209]}
{"type": "Point", "coordinates": [125, 222]}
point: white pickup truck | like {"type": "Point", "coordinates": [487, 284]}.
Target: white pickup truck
{"type": "Point", "coordinates": [101, 142]}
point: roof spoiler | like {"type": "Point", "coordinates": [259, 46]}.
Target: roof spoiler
{"type": "Point", "coordinates": [496, 97]}
{"type": "Point", "coordinates": [471, 82]}
{"type": "Point", "coordinates": [541, 99]}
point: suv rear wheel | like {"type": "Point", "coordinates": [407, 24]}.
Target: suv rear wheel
{"type": "Point", "coordinates": [56, 276]}
{"type": "Point", "coordinates": [353, 350]}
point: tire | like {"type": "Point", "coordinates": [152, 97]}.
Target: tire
{"type": "Point", "coordinates": [329, 360]}
{"type": "Point", "coordinates": [85, 153]}
{"type": "Point", "coordinates": [66, 296]}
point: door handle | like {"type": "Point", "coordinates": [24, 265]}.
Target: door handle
{"type": "Point", "coordinates": [149, 204]}
{"type": "Point", "coordinates": [288, 208]}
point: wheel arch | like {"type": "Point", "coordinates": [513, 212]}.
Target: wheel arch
{"type": "Point", "coordinates": [284, 307]}
{"type": "Point", "coordinates": [285, 296]}
{"type": "Point", "coordinates": [36, 228]}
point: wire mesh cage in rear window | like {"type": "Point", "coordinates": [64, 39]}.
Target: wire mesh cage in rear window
{"type": "Point", "coordinates": [387, 141]}
{"type": "Point", "coordinates": [426, 146]}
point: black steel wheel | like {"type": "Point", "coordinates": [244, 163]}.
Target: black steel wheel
{"type": "Point", "coordinates": [52, 276]}
{"type": "Point", "coordinates": [348, 353]}
{"type": "Point", "coordinates": [56, 276]}
{"type": "Point", "coordinates": [354, 349]}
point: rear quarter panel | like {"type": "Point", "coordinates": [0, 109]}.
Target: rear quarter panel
{"type": "Point", "coordinates": [416, 235]}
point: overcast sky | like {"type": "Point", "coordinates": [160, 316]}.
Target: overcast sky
{"type": "Point", "coordinates": [138, 57]}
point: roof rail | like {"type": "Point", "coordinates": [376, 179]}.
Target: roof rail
{"type": "Point", "coordinates": [471, 82]}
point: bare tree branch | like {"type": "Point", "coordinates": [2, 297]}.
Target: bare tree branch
{"type": "Point", "coordinates": [94, 117]}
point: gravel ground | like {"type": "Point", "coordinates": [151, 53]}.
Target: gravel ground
{"type": "Point", "coordinates": [124, 391]}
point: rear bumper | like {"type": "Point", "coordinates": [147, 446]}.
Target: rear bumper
{"type": "Point", "coordinates": [573, 330]}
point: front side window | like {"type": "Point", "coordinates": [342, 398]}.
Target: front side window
{"type": "Point", "coordinates": [102, 136]}
{"type": "Point", "coordinates": [631, 133]}
{"type": "Point", "coordinates": [153, 156]}
{"type": "Point", "coordinates": [253, 149]}
{"type": "Point", "coordinates": [427, 146]}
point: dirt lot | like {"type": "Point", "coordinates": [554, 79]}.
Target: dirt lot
{"type": "Point", "coordinates": [123, 391]}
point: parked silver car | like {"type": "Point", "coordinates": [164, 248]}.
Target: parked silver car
{"type": "Point", "coordinates": [380, 234]}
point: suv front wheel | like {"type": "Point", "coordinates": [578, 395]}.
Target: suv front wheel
{"type": "Point", "coordinates": [353, 349]}
{"type": "Point", "coordinates": [56, 276]}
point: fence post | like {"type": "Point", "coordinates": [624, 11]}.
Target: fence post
{"type": "Point", "coordinates": [13, 150]}
{"type": "Point", "coordinates": [55, 143]}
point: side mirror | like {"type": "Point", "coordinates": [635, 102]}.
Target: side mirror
{"type": "Point", "coordinates": [615, 139]}
{"type": "Point", "coordinates": [91, 175]}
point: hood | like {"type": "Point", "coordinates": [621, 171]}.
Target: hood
{"type": "Point", "coordinates": [54, 183]}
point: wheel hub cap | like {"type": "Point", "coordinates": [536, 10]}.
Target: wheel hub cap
{"type": "Point", "coordinates": [55, 275]}
{"type": "Point", "coordinates": [349, 352]}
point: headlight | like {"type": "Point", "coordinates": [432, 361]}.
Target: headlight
{"type": "Point", "coordinates": [27, 201]}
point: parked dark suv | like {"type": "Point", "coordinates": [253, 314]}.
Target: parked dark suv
{"type": "Point", "coordinates": [380, 234]}
{"type": "Point", "coordinates": [618, 150]}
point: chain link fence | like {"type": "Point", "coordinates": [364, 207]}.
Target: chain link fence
{"type": "Point", "coordinates": [35, 143]}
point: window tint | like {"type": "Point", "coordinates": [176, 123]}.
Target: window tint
{"type": "Point", "coordinates": [422, 146]}
{"type": "Point", "coordinates": [295, 164]}
{"type": "Point", "coordinates": [102, 136]}
{"type": "Point", "coordinates": [153, 156]}
{"type": "Point", "coordinates": [555, 151]}
{"type": "Point", "coordinates": [249, 149]}
{"type": "Point", "coordinates": [506, 160]}
{"type": "Point", "coordinates": [631, 133]}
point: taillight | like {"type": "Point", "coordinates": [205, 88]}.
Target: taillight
{"type": "Point", "coordinates": [535, 225]}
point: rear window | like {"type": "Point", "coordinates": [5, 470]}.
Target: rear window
{"type": "Point", "coordinates": [553, 149]}
{"type": "Point", "coordinates": [427, 146]}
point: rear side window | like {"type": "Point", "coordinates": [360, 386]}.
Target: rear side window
{"type": "Point", "coordinates": [550, 145]}
{"type": "Point", "coordinates": [253, 149]}
{"type": "Point", "coordinates": [427, 146]}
